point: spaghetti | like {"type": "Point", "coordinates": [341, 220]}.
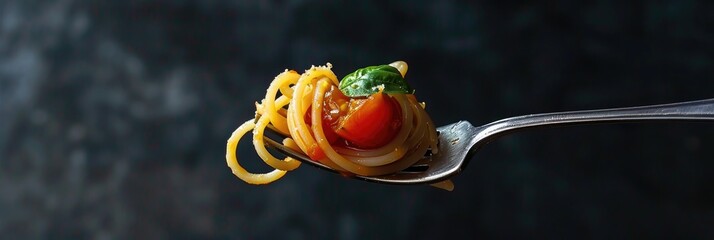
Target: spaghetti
{"type": "Point", "coordinates": [383, 131]}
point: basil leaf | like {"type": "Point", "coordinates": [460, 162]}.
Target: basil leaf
{"type": "Point", "coordinates": [367, 81]}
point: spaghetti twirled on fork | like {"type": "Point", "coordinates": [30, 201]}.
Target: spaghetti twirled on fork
{"type": "Point", "coordinates": [376, 133]}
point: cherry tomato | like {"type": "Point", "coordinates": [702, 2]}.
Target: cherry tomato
{"type": "Point", "coordinates": [360, 122]}
{"type": "Point", "coordinates": [371, 122]}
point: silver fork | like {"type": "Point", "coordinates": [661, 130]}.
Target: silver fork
{"type": "Point", "coordinates": [459, 141]}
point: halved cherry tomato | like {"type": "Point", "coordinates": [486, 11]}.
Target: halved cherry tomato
{"type": "Point", "coordinates": [371, 122]}
{"type": "Point", "coordinates": [361, 122]}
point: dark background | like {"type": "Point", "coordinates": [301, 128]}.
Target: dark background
{"type": "Point", "coordinates": [114, 117]}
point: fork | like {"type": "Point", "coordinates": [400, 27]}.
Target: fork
{"type": "Point", "coordinates": [459, 141]}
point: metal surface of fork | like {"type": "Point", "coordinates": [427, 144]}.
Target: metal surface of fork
{"type": "Point", "coordinates": [460, 140]}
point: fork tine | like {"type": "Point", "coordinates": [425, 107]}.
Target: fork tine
{"type": "Point", "coordinates": [284, 149]}
{"type": "Point", "coordinates": [292, 153]}
{"type": "Point", "coordinates": [270, 127]}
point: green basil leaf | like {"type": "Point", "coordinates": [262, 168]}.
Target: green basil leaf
{"type": "Point", "coordinates": [367, 81]}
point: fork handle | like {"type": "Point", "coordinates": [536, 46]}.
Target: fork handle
{"type": "Point", "coordinates": [694, 110]}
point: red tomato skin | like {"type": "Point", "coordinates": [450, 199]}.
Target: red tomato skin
{"type": "Point", "coordinates": [372, 123]}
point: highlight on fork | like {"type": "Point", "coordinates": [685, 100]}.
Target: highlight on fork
{"type": "Point", "coordinates": [370, 123]}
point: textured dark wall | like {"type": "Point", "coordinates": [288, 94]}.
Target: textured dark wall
{"type": "Point", "coordinates": [114, 117]}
